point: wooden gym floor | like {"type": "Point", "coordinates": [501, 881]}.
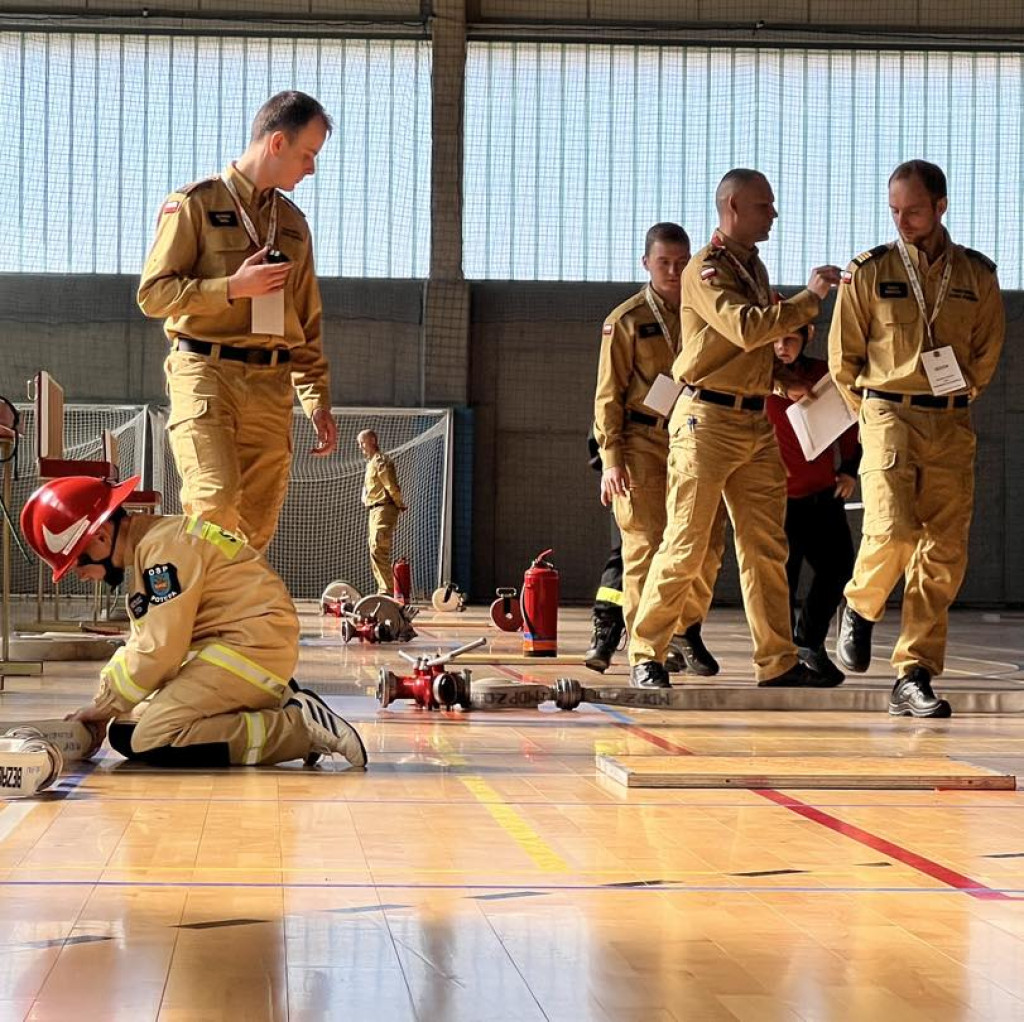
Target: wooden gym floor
{"type": "Point", "coordinates": [482, 868]}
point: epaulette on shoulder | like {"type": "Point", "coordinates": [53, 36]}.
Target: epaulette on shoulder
{"type": "Point", "coordinates": [714, 253]}
{"type": "Point", "coordinates": [292, 204]}
{"type": "Point", "coordinates": [624, 308]}
{"type": "Point", "coordinates": [981, 258]}
{"type": "Point", "coordinates": [195, 185]}
{"type": "Point", "coordinates": [872, 253]}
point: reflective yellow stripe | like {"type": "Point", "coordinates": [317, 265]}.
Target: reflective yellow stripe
{"type": "Point", "coordinates": [228, 543]}
{"type": "Point", "coordinates": [606, 595]}
{"type": "Point", "coordinates": [243, 667]}
{"type": "Point", "coordinates": [117, 675]}
{"type": "Point", "coordinates": [256, 729]}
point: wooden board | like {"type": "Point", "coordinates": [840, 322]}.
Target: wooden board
{"type": "Point", "coordinates": [799, 772]}
{"type": "Point", "coordinates": [467, 659]}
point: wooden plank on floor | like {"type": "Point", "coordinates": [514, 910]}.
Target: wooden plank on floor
{"type": "Point", "coordinates": [800, 772]}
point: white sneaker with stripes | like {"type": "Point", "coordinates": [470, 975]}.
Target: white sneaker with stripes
{"type": "Point", "coordinates": [329, 732]}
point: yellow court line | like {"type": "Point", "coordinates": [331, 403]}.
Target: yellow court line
{"type": "Point", "coordinates": [503, 814]}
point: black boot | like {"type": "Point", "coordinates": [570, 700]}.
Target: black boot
{"type": "Point", "coordinates": [608, 629]}
{"type": "Point", "coordinates": [687, 652]}
{"type": "Point", "coordinates": [798, 676]}
{"type": "Point", "coordinates": [817, 660]}
{"type": "Point", "coordinates": [912, 696]}
{"type": "Point", "coordinates": [853, 650]}
{"type": "Point", "coordinates": [649, 674]}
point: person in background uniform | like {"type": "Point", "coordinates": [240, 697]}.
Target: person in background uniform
{"type": "Point", "coordinates": [383, 496]}
{"type": "Point", "coordinates": [915, 338]}
{"type": "Point", "coordinates": [816, 525]}
{"type": "Point", "coordinates": [721, 443]}
{"type": "Point", "coordinates": [194, 587]}
{"type": "Point", "coordinates": [232, 256]}
{"type": "Point", "coordinates": [639, 342]}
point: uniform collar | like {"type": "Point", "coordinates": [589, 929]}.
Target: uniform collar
{"type": "Point", "coordinates": [245, 188]}
{"type": "Point", "coordinates": [921, 261]}
{"type": "Point", "coordinates": [722, 240]}
{"type": "Point", "coordinates": [665, 308]}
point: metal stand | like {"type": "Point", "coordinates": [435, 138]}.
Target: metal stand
{"type": "Point", "coordinates": [8, 667]}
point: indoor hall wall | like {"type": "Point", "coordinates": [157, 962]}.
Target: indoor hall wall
{"type": "Point", "coordinates": [88, 332]}
{"type": "Point", "coordinates": [533, 362]}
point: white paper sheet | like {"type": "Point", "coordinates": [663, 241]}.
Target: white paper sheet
{"type": "Point", "coordinates": [662, 396]}
{"type": "Point", "coordinates": [820, 421]}
{"type": "Point", "coordinates": [268, 314]}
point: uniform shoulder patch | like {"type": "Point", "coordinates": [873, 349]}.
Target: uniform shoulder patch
{"type": "Point", "coordinates": [161, 582]}
{"type": "Point", "coordinates": [194, 185]}
{"type": "Point", "coordinates": [981, 258]}
{"type": "Point", "coordinates": [138, 604]}
{"type": "Point", "coordinates": [872, 253]}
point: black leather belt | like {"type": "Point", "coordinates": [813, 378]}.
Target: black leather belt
{"type": "Point", "coordinates": [720, 397]}
{"type": "Point", "coordinates": [646, 420]}
{"type": "Point", "coordinates": [251, 356]}
{"type": "Point", "coordinates": [920, 400]}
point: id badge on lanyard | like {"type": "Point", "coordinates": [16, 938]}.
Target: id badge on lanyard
{"type": "Point", "coordinates": [664, 392]}
{"type": "Point", "coordinates": [267, 310]}
{"type": "Point", "coordinates": [939, 363]}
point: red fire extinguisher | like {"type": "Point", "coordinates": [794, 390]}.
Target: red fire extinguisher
{"type": "Point", "coordinates": [403, 580]}
{"type": "Point", "coordinates": [540, 608]}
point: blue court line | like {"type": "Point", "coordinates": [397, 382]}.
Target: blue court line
{"type": "Point", "coordinates": [668, 888]}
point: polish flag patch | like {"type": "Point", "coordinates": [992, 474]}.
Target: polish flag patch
{"type": "Point", "coordinates": [608, 329]}
{"type": "Point", "coordinates": [171, 207]}
{"type": "Point", "coordinates": [846, 277]}
{"type": "Point", "coordinates": [708, 272]}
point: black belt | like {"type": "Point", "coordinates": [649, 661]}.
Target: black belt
{"type": "Point", "coordinates": [252, 356]}
{"type": "Point", "coordinates": [920, 400]}
{"type": "Point", "coordinates": [720, 397]}
{"type": "Point", "coordinates": [645, 420]}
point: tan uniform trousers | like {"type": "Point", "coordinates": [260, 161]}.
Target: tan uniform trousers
{"type": "Point", "coordinates": [230, 431]}
{"type": "Point", "coordinates": [641, 517]}
{"type": "Point", "coordinates": [716, 452]}
{"type": "Point", "coordinates": [917, 478]}
{"type": "Point", "coordinates": [381, 531]}
{"type": "Point", "coordinates": [206, 704]}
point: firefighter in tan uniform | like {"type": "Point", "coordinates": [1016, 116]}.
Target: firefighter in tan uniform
{"type": "Point", "coordinates": [722, 444]}
{"type": "Point", "coordinates": [383, 497]}
{"type": "Point", "coordinates": [195, 587]}
{"type": "Point", "coordinates": [231, 273]}
{"type": "Point", "coordinates": [639, 343]}
{"type": "Point", "coordinates": [915, 338]}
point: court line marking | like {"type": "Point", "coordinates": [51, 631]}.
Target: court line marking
{"type": "Point", "coordinates": [510, 821]}
{"type": "Point", "coordinates": [928, 867]}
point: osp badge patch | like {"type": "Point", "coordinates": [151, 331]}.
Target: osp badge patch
{"type": "Point", "coordinates": [162, 583]}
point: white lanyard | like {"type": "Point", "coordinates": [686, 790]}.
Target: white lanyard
{"type": "Point", "coordinates": [653, 303]}
{"type": "Point", "coordinates": [250, 227]}
{"type": "Point", "coordinates": [764, 299]}
{"type": "Point", "coordinates": [915, 286]}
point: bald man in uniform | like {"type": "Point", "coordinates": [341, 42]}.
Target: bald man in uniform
{"type": "Point", "coordinates": [231, 274]}
{"type": "Point", "coordinates": [383, 497]}
{"type": "Point", "coordinates": [639, 342]}
{"type": "Point", "coordinates": [721, 443]}
{"type": "Point", "coordinates": [915, 339]}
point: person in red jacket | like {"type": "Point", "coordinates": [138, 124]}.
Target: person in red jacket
{"type": "Point", "coordinates": [817, 491]}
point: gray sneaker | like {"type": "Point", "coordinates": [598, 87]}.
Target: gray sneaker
{"type": "Point", "coordinates": [328, 731]}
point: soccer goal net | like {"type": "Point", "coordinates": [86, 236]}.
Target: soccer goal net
{"type": "Point", "coordinates": [322, 535]}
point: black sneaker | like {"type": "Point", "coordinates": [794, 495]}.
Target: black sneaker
{"type": "Point", "coordinates": [817, 660]}
{"type": "Point", "coordinates": [912, 696]}
{"type": "Point", "coordinates": [649, 674]}
{"type": "Point", "coordinates": [687, 652]}
{"type": "Point", "coordinates": [608, 630]}
{"type": "Point", "coordinates": [798, 676]}
{"type": "Point", "coordinates": [853, 650]}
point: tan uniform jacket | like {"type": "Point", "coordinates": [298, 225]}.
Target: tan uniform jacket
{"type": "Point", "coordinates": [878, 332]}
{"type": "Point", "coordinates": [380, 484]}
{"type": "Point", "coordinates": [727, 331]}
{"type": "Point", "coordinates": [196, 587]}
{"type": "Point", "coordinates": [634, 351]}
{"type": "Point", "coordinates": [200, 242]}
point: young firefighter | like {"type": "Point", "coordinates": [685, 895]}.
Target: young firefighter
{"type": "Point", "coordinates": [194, 588]}
{"type": "Point", "coordinates": [816, 525]}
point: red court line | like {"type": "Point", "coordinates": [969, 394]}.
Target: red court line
{"type": "Point", "coordinates": [930, 868]}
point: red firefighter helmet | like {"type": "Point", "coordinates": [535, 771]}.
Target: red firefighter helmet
{"type": "Point", "coordinates": [60, 518]}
